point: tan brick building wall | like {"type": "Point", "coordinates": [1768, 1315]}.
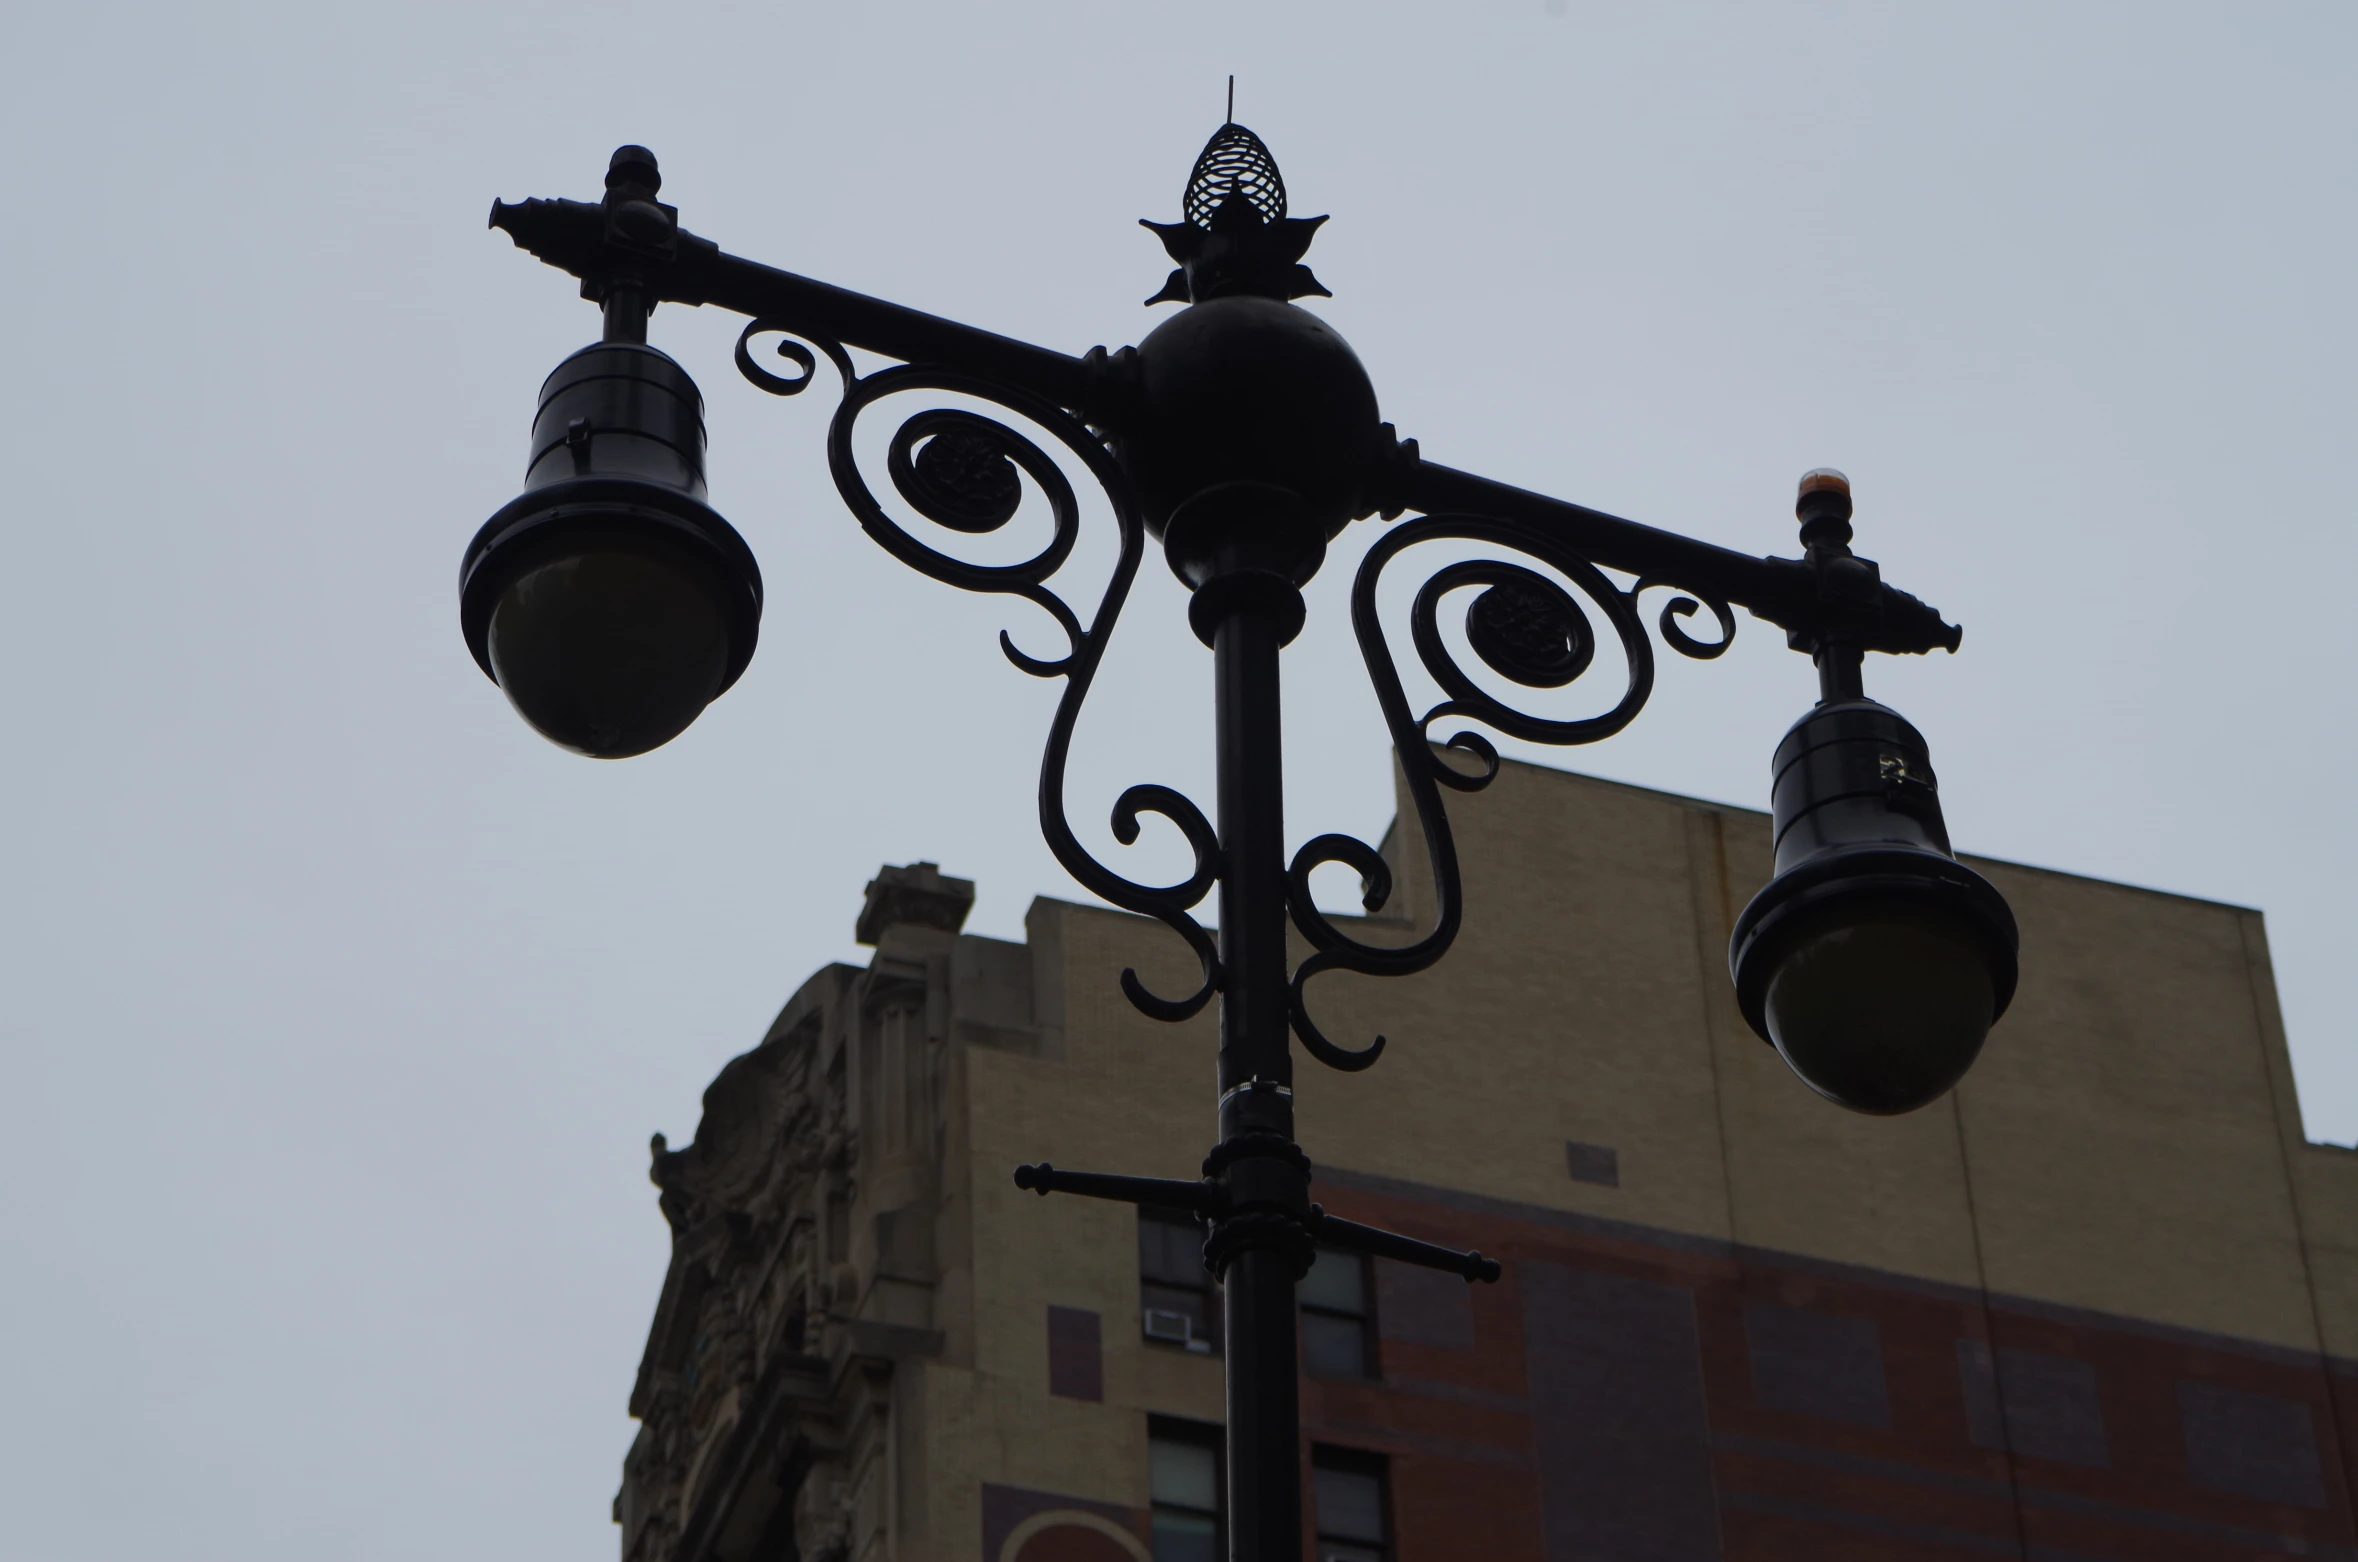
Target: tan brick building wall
{"type": "Point", "coordinates": [2098, 1302]}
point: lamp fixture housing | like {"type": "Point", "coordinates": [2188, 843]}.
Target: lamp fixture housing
{"type": "Point", "coordinates": [1873, 960]}
{"type": "Point", "coordinates": [609, 601]}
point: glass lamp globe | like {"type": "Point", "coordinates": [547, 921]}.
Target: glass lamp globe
{"type": "Point", "coordinates": [608, 652]}
{"type": "Point", "coordinates": [1880, 1006]}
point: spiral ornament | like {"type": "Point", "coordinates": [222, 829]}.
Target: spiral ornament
{"type": "Point", "coordinates": [966, 473]}
{"type": "Point", "coordinates": [1522, 625]}
{"type": "Point", "coordinates": [805, 358]}
{"type": "Point", "coordinates": [1686, 607]}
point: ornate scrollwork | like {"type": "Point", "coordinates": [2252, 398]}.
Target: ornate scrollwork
{"type": "Point", "coordinates": [1526, 627]}
{"type": "Point", "coordinates": [965, 472]}
{"type": "Point", "coordinates": [1523, 626]}
{"type": "Point", "coordinates": [793, 352]}
{"type": "Point", "coordinates": [963, 475]}
{"type": "Point", "coordinates": [1685, 607]}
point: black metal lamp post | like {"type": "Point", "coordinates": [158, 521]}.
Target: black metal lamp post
{"type": "Point", "coordinates": [611, 603]}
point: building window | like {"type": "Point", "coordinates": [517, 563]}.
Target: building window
{"type": "Point", "coordinates": [1185, 1479]}
{"type": "Point", "coordinates": [1179, 1303]}
{"type": "Point", "coordinates": [1353, 1522]}
{"type": "Point", "coordinates": [1338, 1340]}
{"type": "Point", "coordinates": [838, 1223]}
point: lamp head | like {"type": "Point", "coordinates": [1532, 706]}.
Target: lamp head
{"type": "Point", "coordinates": [1874, 961]}
{"type": "Point", "coordinates": [608, 601]}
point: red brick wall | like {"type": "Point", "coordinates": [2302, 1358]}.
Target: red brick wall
{"type": "Point", "coordinates": [1648, 1397]}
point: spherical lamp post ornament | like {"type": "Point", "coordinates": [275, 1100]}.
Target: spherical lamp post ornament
{"type": "Point", "coordinates": [1874, 961]}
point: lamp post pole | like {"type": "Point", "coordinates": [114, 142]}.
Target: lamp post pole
{"type": "Point", "coordinates": [612, 603]}
{"type": "Point", "coordinates": [1256, 1089]}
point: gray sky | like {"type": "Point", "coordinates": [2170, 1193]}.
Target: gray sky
{"type": "Point", "coordinates": [339, 1007]}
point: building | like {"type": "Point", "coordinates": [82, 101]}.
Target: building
{"type": "Point", "coordinates": [2100, 1302]}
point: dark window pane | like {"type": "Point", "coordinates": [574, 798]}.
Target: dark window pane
{"type": "Point", "coordinates": [1185, 1474]}
{"type": "Point", "coordinates": [1351, 1505]}
{"type": "Point", "coordinates": [1334, 1347]}
{"type": "Point", "coordinates": [1183, 1479]}
{"type": "Point", "coordinates": [1337, 1282]}
{"type": "Point", "coordinates": [1185, 1537]}
{"type": "Point", "coordinates": [1339, 1551]}
{"type": "Point", "coordinates": [1183, 1255]}
{"type": "Point", "coordinates": [1172, 1279]}
{"type": "Point", "coordinates": [1171, 1251]}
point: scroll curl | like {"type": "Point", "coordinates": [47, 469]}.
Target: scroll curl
{"type": "Point", "coordinates": [1526, 628]}
{"type": "Point", "coordinates": [1685, 607]}
{"type": "Point", "coordinates": [966, 472]}
{"type": "Point", "coordinates": [799, 348]}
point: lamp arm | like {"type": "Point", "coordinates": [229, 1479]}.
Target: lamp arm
{"type": "Point", "coordinates": [1808, 598]}
{"type": "Point", "coordinates": [639, 246]}
{"type": "Point", "coordinates": [678, 267]}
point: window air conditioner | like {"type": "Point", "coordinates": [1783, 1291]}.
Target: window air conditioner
{"type": "Point", "coordinates": [1172, 1328]}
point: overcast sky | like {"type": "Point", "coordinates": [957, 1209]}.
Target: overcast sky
{"type": "Point", "coordinates": [337, 1007]}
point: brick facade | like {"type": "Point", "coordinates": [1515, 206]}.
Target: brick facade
{"type": "Point", "coordinates": [1635, 1393]}
{"type": "Point", "coordinates": [2101, 1302]}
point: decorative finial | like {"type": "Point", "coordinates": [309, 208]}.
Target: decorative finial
{"type": "Point", "coordinates": [1236, 238]}
{"type": "Point", "coordinates": [1235, 165]}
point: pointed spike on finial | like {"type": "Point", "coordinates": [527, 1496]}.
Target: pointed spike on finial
{"type": "Point", "coordinates": [1231, 98]}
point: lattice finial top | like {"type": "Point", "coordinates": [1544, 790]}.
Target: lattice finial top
{"type": "Point", "coordinates": [1235, 236]}
{"type": "Point", "coordinates": [1235, 162]}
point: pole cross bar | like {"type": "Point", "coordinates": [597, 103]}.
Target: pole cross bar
{"type": "Point", "coordinates": [1210, 1201]}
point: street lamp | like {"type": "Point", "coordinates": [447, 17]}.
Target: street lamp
{"type": "Point", "coordinates": [611, 604]}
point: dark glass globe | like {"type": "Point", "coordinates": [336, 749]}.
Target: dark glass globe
{"type": "Point", "coordinates": [1881, 1008]}
{"type": "Point", "coordinates": [610, 652]}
